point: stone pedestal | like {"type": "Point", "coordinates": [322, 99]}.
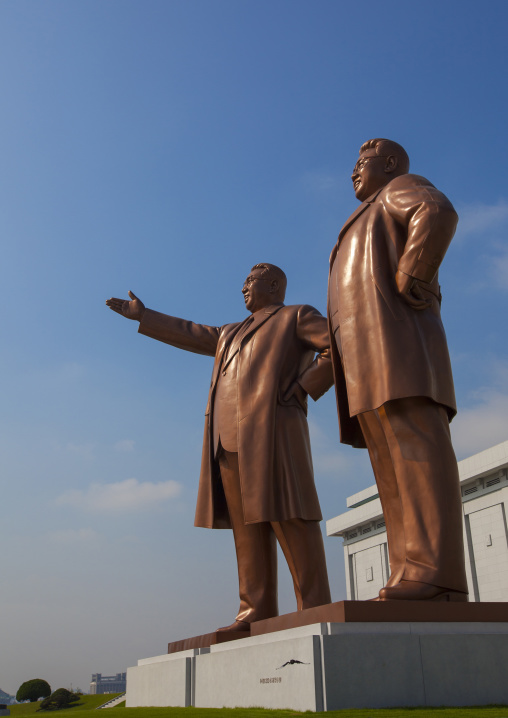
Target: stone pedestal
{"type": "Point", "coordinates": [208, 639]}
{"type": "Point", "coordinates": [341, 663]}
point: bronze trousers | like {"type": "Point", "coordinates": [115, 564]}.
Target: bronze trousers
{"type": "Point", "coordinates": [256, 552]}
{"type": "Point", "coordinates": [417, 477]}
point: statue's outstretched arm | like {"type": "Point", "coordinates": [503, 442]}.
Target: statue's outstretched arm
{"type": "Point", "coordinates": [180, 333]}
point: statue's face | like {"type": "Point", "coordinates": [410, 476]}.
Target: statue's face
{"type": "Point", "coordinates": [370, 174]}
{"type": "Point", "coordinates": [258, 291]}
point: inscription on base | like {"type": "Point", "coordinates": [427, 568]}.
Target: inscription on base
{"type": "Point", "coordinates": [276, 679]}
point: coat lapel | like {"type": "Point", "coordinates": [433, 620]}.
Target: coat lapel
{"type": "Point", "coordinates": [237, 337]}
{"type": "Point", "coordinates": [223, 344]}
{"type": "Point", "coordinates": [358, 211]}
{"type": "Point", "coordinates": [258, 319]}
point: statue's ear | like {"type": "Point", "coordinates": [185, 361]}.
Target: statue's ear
{"type": "Point", "coordinates": [391, 163]}
{"type": "Point", "coordinates": [274, 286]}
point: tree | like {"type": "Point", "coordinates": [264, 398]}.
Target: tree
{"type": "Point", "coordinates": [61, 698]}
{"type": "Point", "coordinates": [33, 690]}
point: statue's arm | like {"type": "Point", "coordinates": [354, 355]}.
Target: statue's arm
{"type": "Point", "coordinates": [198, 338]}
{"type": "Point", "coordinates": [180, 333]}
{"type": "Point", "coordinates": [312, 330]}
{"type": "Point", "coordinates": [430, 220]}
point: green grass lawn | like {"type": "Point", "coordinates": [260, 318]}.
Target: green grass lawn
{"type": "Point", "coordinates": [489, 712]}
{"type": "Point", "coordinates": [88, 704]}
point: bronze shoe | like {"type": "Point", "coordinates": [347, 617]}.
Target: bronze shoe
{"type": "Point", "coordinates": [236, 626]}
{"type": "Point", "coordinates": [417, 591]}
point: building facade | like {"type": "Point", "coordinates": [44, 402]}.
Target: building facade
{"type": "Point", "coordinates": [108, 684]}
{"type": "Point", "coordinates": [484, 489]}
{"type": "Point", "coordinates": [6, 699]}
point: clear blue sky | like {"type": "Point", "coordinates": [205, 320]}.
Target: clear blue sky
{"type": "Point", "coordinates": [166, 147]}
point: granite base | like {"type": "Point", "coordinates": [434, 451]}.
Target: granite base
{"type": "Point", "coordinates": [335, 665]}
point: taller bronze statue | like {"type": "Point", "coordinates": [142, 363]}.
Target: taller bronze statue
{"type": "Point", "coordinates": [392, 370]}
{"type": "Point", "coordinates": [256, 470]}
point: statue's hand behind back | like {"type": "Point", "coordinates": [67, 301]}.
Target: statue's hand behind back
{"type": "Point", "coordinates": [410, 292]}
{"type": "Point", "coordinates": [298, 392]}
{"type": "Point", "coordinates": [132, 310]}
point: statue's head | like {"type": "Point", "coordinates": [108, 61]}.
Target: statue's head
{"type": "Point", "coordinates": [265, 285]}
{"type": "Point", "coordinates": [380, 161]}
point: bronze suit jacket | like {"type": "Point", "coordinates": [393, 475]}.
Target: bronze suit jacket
{"type": "Point", "coordinates": [274, 455]}
{"type": "Point", "coordinates": [382, 348]}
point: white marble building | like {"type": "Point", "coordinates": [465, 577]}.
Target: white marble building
{"type": "Point", "coordinates": [484, 487]}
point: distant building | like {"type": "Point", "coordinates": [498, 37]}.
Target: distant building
{"type": "Point", "coordinates": [6, 699]}
{"type": "Point", "coordinates": [484, 489]}
{"type": "Point", "coordinates": [108, 684]}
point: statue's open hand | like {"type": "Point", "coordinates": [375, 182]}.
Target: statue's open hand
{"type": "Point", "coordinates": [132, 310]}
{"type": "Point", "coordinates": [410, 292]}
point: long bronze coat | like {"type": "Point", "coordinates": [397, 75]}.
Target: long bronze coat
{"type": "Point", "coordinates": [389, 350]}
{"type": "Point", "coordinates": [276, 474]}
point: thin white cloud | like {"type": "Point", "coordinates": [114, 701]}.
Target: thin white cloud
{"type": "Point", "coordinates": [333, 463]}
{"type": "Point", "coordinates": [124, 446]}
{"type": "Point", "coordinates": [127, 495]}
{"type": "Point", "coordinates": [85, 451]}
{"type": "Point", "coordinates": [74, 536]}
{"type": "Point", "coordinates": [482, 426]}
{"type": "Point", "coordinates": [332, 459]}
{"type": "Point", "coordinates": [498, 265]}
{"type": "Point", "coordinates": [480, 218]}
{"type": "Point", "coordinates": [318, 182]}
{"type": "Point", "coordinates": [485, 422]}
{"type": "Point", "coordinates": [71, 371]}
{"type": "Point", "coordinates": [486, 224]}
